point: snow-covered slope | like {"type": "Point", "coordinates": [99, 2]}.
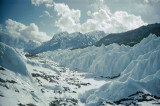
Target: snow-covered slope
{"type": "Point", "coordinates": [65, 40]}
{"type": "Point", "coordinates": [16, 82]}
{"type": "Point", "coordinates": [29, 80]}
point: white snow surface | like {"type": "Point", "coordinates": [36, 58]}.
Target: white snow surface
{"type": "Point", "coordinates": [16, 83]}
{"type": "Point", "coordinates": [36, 81]}
{"type": "Point", "coordinates": [137, 68]}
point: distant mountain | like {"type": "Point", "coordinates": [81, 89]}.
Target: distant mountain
{"type": "Point", "coordinates": [18, 42]}
{"type": "Point", "coordinates": [65, 40]}
{"type": "Point", "coordinates": [130, 37]}
{"type": "Point", "coordinates": [77, 40]}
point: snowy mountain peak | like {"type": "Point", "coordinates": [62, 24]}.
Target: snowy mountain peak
{"type": "Point", "coordinates": [59, 35]}
{"type": "Point", "coordinates": [65, 40]}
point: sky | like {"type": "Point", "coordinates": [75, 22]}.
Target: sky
{"type": "Point", "coordinates": [41, 19]}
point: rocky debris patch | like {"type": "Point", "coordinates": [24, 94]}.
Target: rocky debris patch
{"type": "Point", "coordinates": [30, 104]}
{"type": "Point", "coordinates": [107, 77]}
{"type": "Point", "coordinates": [75, 81]}
{"type": "Point", "coordinates": [66, 83]}
{"type": "Point", "coordinates": [30, 56]}
{"type": "Point", "coordinates": [41, 60]}
{"type": "Point", "coordinates": [2, 69]}
{"type": "Point", "coordinates": [106, 103]}
{"type": "Point", "coordinates": [1, 95]}
{"type": "Point", "coordinates": [3, 83]}
{"type": "Point", "coordinates": [63, 70]}
{"type": "Point", "coordinates": [9, 81]}
{"type": "Point", "coordinates": [134, 99]}
{"type": "Point", "coordinates": [110, 77]}
{"type": "Point", "coordinates": [50, 78]}
{"type": "Point", "coordinates": [64, 102]}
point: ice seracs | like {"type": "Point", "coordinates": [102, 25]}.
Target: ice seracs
{"type": "Point", "coordinates": [111, 60]}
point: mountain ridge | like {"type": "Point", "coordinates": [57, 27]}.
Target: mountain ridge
{"type": "Point", "coordinates": [78, 40]}
{"type": "Point", "coordinates": [141, 32]}
{"type": "Point", "coordinates": [135, 36]}
{"type": "Point", "coordinates": [65, 40]}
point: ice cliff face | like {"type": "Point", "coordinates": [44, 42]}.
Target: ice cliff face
{"type": "Point", "coordinates": [10, 59]}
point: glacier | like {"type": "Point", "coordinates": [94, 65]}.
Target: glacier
{"type": "Point", "coordinates": [126, 69]}
{"type": "Point", "coordinates": [105, 75]}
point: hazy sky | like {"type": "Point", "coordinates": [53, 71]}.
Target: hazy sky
{"type": "Point", "coordinates": [46, 17]}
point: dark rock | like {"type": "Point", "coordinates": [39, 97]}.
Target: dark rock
{"type": "Point", "coordinates": [1, 68]}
